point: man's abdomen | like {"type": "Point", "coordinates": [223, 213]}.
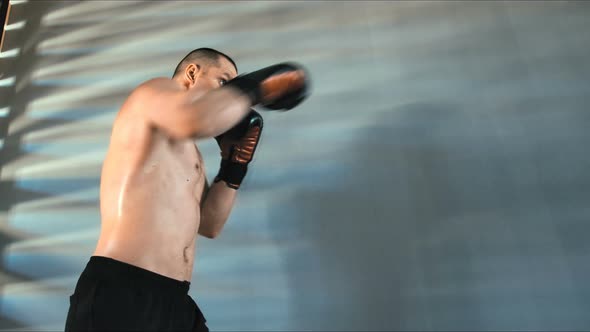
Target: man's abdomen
{"type": "Point", "coordinates": [149, 211]}
{"type": "Point", "coordinates": [155, 233]}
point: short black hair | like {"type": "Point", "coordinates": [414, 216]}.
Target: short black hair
{"type": "Point", "coordinates": [205, 53]}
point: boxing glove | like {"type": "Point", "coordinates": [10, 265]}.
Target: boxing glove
{"type": "Point", "coordinates": [238, 146]}
{"type": "Point", "coordinates": [279, 87]}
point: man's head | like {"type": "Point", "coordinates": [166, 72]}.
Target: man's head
{"type": "Point", "coordinates": [205, 68]}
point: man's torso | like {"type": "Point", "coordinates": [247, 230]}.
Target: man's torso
{"type": "Point", "coordinates": [151, 189]}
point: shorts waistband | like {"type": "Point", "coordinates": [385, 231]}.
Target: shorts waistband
{"type": "Point", "coordinates": [124, 274]}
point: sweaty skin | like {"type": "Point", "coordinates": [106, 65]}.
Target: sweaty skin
{"type": "Point", "coordinates": [153, 186]}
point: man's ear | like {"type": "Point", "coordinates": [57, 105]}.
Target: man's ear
{"type": "Point", "coordinates": [192, 73]}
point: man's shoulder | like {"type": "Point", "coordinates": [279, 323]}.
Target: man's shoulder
{"type": "Point", "coordinates": [157, 84]}
{"type": "Point", "coordinates": [150, 91]}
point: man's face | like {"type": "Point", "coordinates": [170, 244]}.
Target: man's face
{"type": "Point", "coordinates": [213, 77]}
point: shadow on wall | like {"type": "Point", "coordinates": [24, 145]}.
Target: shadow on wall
{"type": "Point", "coordinates": [26, 269]}
{"type": "Point", "coordinates": [17, 102]}
{"type": "Point", "coordinates": [449, 218]}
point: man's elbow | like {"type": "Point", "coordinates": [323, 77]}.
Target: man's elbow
{"type": "Point", "coordinates": [209, 233]}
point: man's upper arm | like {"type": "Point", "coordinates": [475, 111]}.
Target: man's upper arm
{"type": "Point", "coordinates": [165, 106]}
{"type": "Point", "coordinates": [206, 185]}
{"type": "Point", "coordinates": [205, 192]}
{"type": "Point", "coordinates": [203, 225]}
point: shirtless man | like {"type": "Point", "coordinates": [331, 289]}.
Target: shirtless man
{"type": "Point", "coordinates": [154, 197]}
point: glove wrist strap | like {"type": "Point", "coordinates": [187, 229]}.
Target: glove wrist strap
{"type": "Point", "coordinates": [231, 173]}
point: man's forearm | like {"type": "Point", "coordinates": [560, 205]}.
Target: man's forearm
{"type": "Point", "coordinates": [216, 209]}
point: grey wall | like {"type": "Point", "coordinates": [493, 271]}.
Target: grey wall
{"type": "Point", "coordinates": [436, 180]}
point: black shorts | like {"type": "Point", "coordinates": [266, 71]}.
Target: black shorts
{"type": "Point", "coordinates": [111, 295]}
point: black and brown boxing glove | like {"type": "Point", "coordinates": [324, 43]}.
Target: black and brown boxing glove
{"type": "Point", "coordinates": [237, 149]}
{"type": "Point", "coordinates": [279, 87]}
